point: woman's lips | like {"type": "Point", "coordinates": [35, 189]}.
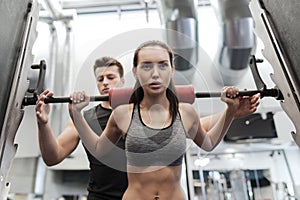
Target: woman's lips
{"type": "Point", "coordinates": [155, 85]}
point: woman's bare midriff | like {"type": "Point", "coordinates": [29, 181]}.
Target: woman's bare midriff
{"type": "Point", "coordinates": [154, 183]}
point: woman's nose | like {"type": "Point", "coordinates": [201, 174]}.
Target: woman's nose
{"type": "Point", "coordinates": [155, 73]}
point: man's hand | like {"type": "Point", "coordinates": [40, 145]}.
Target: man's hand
{"type": "Point", "coordinates": [247, 105]}
{"type": "Point", "coordinates": [42, 109]}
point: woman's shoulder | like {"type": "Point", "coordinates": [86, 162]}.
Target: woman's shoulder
{"type": "Point", "coordinates": [121, 116]}
{"type": "Point", "coordinates": [123, 108]}
{"type": "Point", "coordinates": [123, 111]}
{"type": "Point", "coordinates": [186, 109]}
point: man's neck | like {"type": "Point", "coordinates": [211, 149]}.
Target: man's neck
{"type": "Point", "coordinates": [106, 104]}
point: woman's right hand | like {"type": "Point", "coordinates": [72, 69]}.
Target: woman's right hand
{"type": "Point", "coordinates": [42, 109]}
{"type": "Point", "coordinates": [79, 101]}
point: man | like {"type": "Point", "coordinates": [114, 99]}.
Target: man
{"type": "Point", "coordinates": [108, 179]}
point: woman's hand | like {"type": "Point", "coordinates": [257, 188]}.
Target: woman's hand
{"type": "Point", "coordinates": [42, 109]}
{"type": "Point", "coordinates": [79, 101]}
{"type": "Point", "coordinates": [229, 95]}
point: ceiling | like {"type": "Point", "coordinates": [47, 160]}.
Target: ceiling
{"type": "Point", "coordinates": [92, 6]}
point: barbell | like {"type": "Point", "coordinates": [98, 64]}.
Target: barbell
{"type": "Point", "coordinates": [185, 93]}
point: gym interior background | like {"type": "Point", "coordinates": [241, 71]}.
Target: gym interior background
{"type": "Point", "coordinates": [264, 165]}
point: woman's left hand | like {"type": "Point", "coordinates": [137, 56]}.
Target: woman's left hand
{"type": "Point", "coordinates": [229, 95]}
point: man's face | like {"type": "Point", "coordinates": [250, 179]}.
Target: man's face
{"type": "Point", "coordinates": [107, 78]}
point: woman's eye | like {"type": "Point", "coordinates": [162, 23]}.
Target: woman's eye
{"type": "Point", "coordinates": [147, 66]}
{"type": "Point", "coordinates": [163, 65]}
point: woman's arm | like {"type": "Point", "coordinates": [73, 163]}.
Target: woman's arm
{"type": "Point", "coordinates": [97, 145]}
{"type": "Point", "coordinates": [208, 136]}
{"type": "Point", "coordinates": [209, 139]}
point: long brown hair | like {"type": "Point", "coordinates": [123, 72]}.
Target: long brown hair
{"type": "Point", "coordinates": [138, 92]}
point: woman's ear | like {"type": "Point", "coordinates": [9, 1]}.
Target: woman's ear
{"type": "Point", "coordinates": [134, 72]}
{"type": "Point", "coordinates": [173, 69]}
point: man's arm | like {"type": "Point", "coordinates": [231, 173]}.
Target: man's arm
{"type": "Point", "coordinates": [247, 106]}
{"type": "Point", "coordinates": [53, 150]}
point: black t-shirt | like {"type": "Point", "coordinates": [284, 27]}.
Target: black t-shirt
{"type": "Point", "coordinates": [108, 177]}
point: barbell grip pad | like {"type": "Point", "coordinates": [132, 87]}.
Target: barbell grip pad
{"type": "Point", "coordinates": [119, 96]}
{"type": "Point", "coordinates": [185, 93]}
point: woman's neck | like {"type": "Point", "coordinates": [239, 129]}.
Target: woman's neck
{"type": "Point", "coordinates": [149, 101]}
{"type": "Point", "coordinates": [155, 116]}
{"type": "Point", "coordinates": [155, 111]}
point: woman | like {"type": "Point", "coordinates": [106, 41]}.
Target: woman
{"type": "Point", "coordinates": [155, 126]}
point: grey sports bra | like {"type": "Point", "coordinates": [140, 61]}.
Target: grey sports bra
{"type": "Point", "coordinates": [146, 146]}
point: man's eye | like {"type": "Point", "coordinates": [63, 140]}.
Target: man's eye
{"type": "Point", "coordinates": [111, 77]}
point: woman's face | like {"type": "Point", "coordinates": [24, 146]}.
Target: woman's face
{"type": "Point", "coordinates": [154, 70]}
